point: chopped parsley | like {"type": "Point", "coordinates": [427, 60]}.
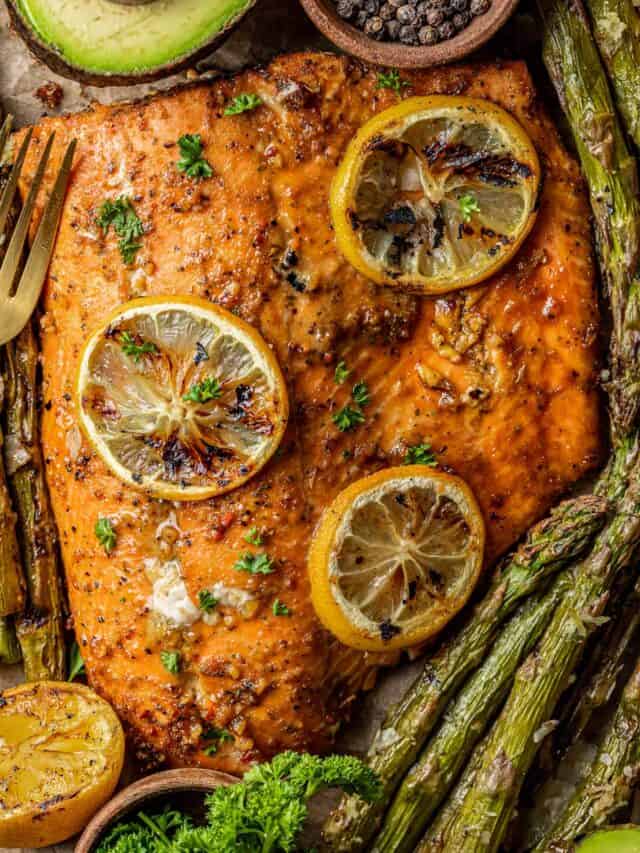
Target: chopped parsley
{"type": "Point", "coordinates": [106, 534]}
{"type": "Point", "coordinates": [468, 206]}
{"type": "Point", "coordinates": [253, 537]}
{"type": "Point", "coordinates": [76, 662]}
{"type": "Point", "coordinates": [242, 104]}
{"type": "Point", "coordinates": [341, 373]}
{"type": "Point", "coordinates": [420, 454]}
{"type": "Point", "coordinates": [391, 79]}
{"type": "Point", "coordinates": [216, 736]}
{"type": "Point", "coordinates": [360, 394]}
{"type": "Point", "coordinates": [121, 215]}
{"type": "Point", "coordinates": [280, 609]}
{"type": "Point", "coordinates": [207, 601]}
{"type": "Point", "coordinates": [191, 161]}
{"type": "Point", "coordinates": [131, 347]}
{"type": "Point", "coordinates": [348, 418]}
{"type": "Point", "coordinates": [266, 811]}
{"type": "Point", "coordinates": [255, 564]}
{"type": "Point", "coordinates": [208, 389]}
{"type": "Point", "coordinates": [171, 661]}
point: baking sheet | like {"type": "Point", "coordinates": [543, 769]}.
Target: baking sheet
{"type": "Point", "coordinates": [273, 27]}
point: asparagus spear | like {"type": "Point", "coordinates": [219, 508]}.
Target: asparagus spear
{"type": "Point", "coordinates": [609, 784]}
{"type": "Point", "coordinates": [41, 634]}
{"type": "Point", "coordinates": [549, 546]}
{"type": "Point", "coordinates": [11, 577]}
{"type": "Point", "coordinates": [600, 681]}
{"type": "Point", "coordinates": [482, 820]}
{"type": "Point", "coordinates": [580, 80]}
{"type": "Point", "coordinates": [429, 780]}
{"type": "Point", "coordinates": [616, 26]}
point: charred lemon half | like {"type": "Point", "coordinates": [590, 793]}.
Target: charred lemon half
{"type": "Point", "coordinates": [181, 398]}
{"type": "Point", "coordinates": [395, 557]}
{"type": "Point", "coordinates": [61, 753]}
{"type": "Point", "coordinates": [435, 194]}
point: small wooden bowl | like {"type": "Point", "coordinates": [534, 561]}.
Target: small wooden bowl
{"type": "Point", "coordinates": [395, 55]}
{"type": "Point", "coordinates": [169, 785]}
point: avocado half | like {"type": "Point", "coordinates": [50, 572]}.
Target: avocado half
{"type": "Point", "coordinates": [106, 43]}
{"type": "Point", "coordinates": [617, 839]}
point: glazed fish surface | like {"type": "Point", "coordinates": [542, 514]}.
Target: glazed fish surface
{"type": "Point", "coordinates": [500, 379]}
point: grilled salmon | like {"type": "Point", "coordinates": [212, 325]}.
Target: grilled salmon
{"type": "Point", "coordinates": [500, 379]}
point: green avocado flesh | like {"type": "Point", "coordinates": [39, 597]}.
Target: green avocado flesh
{"type": "Point", "coordinates": [622, 840]}
{"type": "Point", "coordinates": [108, 38]}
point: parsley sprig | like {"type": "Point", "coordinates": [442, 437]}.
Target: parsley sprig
{"type": "Point", "coordinates": [266, 811]}
{"type": "Point", "coordinates": [391, 79]}
{"type": "Point", "coordinates": [106, 534]}
{"type": "Point", "coordinates": [215, 738]}
{"type": "Point", "coordinates": [202, 392]}
{"type": "Point", "coordinates": [420, 454]}
{"type": "Point", "coordinates": [242, 104]}
{"type": "Point", "coordinates": [341, 373]}
{"type": "Point", "coordinates": [279, 608]}
{"type": "Point", "coordinates": [207, 602]}
{"type": "Point", "coordinates": [254, 564]}
{"type": "Point", "coordinates": [468, 206]}
{"type": "Point", "coordinates": [131, 347]}
{"type": "Point", "coordinates": [349, 417]}
{"type": "Point", "coordinates": [191, 161]}
{"type": "Point", "coordinates": [253, 537]}
{"type": "Point", "coordinates": [171, 661]}
{"type": "Point", "coordinates": [120, 214]}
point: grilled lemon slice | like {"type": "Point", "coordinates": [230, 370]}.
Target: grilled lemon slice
{"type": "Point", "coordinates": [181, 398]}
{"type": "Point", "coordinates": [395, 556]}
{"type": "Point", "coordinates": [61, 753]}
{"type": "Point", "coordinates": [435, 194]}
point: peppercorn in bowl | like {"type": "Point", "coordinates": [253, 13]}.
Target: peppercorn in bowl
{"type": "Point", "coordinates": [409, 33]}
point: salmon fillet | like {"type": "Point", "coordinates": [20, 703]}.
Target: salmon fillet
{"type": "Point", "coordinates": [500, 379]}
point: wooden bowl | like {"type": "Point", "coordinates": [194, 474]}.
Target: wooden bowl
{"type": "Point", "coordinates": [169, 785]}
{"type": "Point", "coordinates": [395, 55]}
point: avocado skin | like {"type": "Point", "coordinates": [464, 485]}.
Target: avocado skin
{"type": "Point", "coordinates": [59, 65]}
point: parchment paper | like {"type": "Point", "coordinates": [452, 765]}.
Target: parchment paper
{"type": "Point", "coordinates": [273, 27]}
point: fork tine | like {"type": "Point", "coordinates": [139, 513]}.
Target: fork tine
{"type": "Point", "coordinates": [19, 238]}
{"type": "Point", "coordinates": [4, 133]}
{"type": "Point", "coordinates": [33, 275]}
{"type": "Point", "coordinates": [10, 190]}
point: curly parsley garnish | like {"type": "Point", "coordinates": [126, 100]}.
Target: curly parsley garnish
{"type": "Point", "coordinates": [360, 394]}
{"type": "Point", "coordinates": [106, 534]}
{"type": "Point", "coordinates": [191, 161]}
{"type": "Point", "coordinates": [242, 104]}
{"type": "Point", "coordinates": [253, 537]}
{"type": "Point", "coordinates": [391, 79]}
{"type": "Point", "coordinates": [255, 564]}
{"type": "Point", "coordinates": [216, 737]}
{"type": "Point", "coordinates": [266, 811]}
{"type": "Point", "coordinates": [341, 373]}
{"type": "Point", "coordinates": [280, 609]}
{"type": "Point", "coordinates": [348, 418]}
{"type": "Point", "coordinates": [207, 601]}
{"type": "Point", "coordinates": [208, 389]}
{"type": "Point", "coordinates": [121, 215]}
{"type": "Point", "coordinates": [468, 206]}
{"type": "Point", "coordinates": [420, 454]}
{"type": "Point", "coordinates": [131, 347]}
{"type": "Point", "coordinates": [171, 661]}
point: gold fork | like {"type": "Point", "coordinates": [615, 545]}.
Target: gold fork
{"type": "Point", "coordinates": [17, 301]}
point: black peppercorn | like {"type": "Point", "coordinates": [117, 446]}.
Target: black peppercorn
{"type": "Point", "coordinates": [408, 34]}
{"type": "Point", "coordinates": [346, 9]}
{"type": "Point", "coordinates": [406, 14]}
{"type": "Point", "coordinates": [387, 12]}
{"type": "Point", "coordinates": [446, 30]}
{"type": "Point", "coordinates": [393, 30]}
{"type": "Point", "coordinates": [461, 20]}
{"type": "Point", "coordinates": [479, 7]}
{"type": "Point", "coordinates": [428, 35]}
{"type": "Point", "coordinates": [374, 28]}
{"type": "Point", "coordinates": [435, 17]}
